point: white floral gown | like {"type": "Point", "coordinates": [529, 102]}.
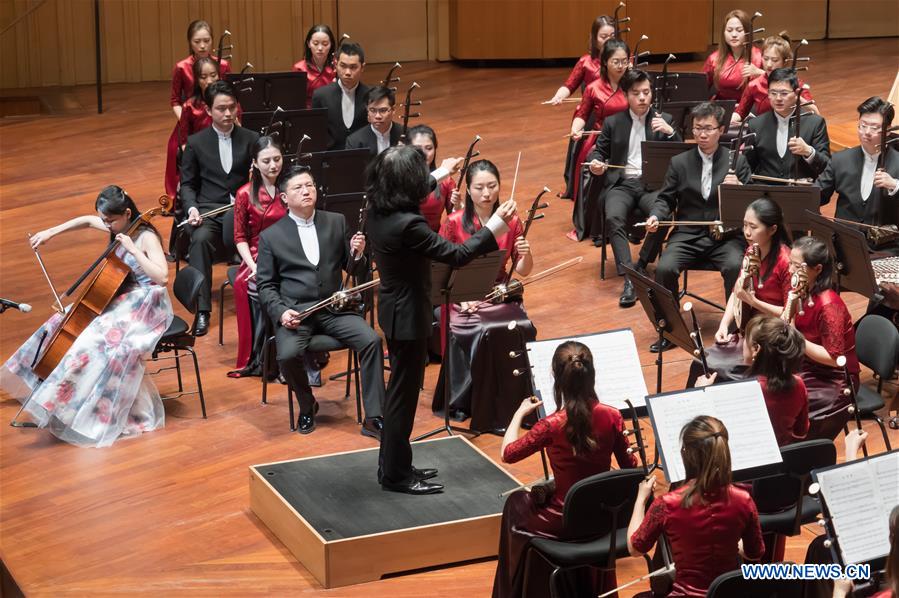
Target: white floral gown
{"type": "Point", "coordinates": [98, 392]}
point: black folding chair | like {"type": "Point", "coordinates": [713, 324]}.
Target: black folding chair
{"type": "Point", "coordinates": [877, 347]}
{"type": "Point", "coordinates": [733, 585]}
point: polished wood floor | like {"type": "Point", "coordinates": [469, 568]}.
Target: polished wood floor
{"type": "Point", "coordinates": [169, 512]}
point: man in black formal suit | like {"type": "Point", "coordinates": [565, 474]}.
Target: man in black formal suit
{"type": "Point", "coordinates": [865, 193]}
{"type": "Point", "coordinates": [382, 132]}
{"type": "Point", "coordinates": [404, 246]}
{"type": "Point", "coordinates": [216, 163]}
{"type": "Point", "coordinates": [776, 147]}
{"type": "Point", "coordinates": [690, 192]}
{"type": "Point", "coordinates": [301, 261]}
{"type": "Point", "coordinates": [345, 97]}
{"type": "Point", "coordinates": [620, 144]}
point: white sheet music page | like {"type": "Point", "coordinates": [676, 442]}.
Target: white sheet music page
{"type": "Point", "coordinates": [741, 408]}
{"type": "Point", "coordinates": [859, 497]}
{"type": "Point", "coordinates": [619, 375]}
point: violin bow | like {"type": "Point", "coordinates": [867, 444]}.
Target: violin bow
{"type": "Point", "coordinates": [59, 307]}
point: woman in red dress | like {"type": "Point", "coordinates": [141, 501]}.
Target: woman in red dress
{"type": "Point", "coordinates": [826, 324]}
{"type": "Point", "coordinates": [199, 38]}
{"type": "Point", "coordinates": [601, 99]}
{"type": "Point", "coordinates": [727, 69]}
{"type": "Point", "coordinates": [705, 518]}
{"type": "Point", "coordinates": [475, 389]}
{"type": "Point", "coordinates": [318, 62]}
{"type": "Point", "coordinates": [776, 51]}
{"type": "Point", "coordinates": [585, 72]}
{"type": "Point", "coordinates": [256, 207]}
{"type": "Point", "coordinates": [579, 438]}
{"type": "Point", "coordinates": [445, 198]}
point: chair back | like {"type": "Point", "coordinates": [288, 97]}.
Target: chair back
{"type": "Point", "coordinates": [601, 504]}
{"type": "Point", "coordinates": [732, 585]}
{"type": "Point", "coordinates": [877, 345]}
{"type": "Point", "coordinates": [186, 287]}
{"type": "Point", "coordinates": [785, 490]}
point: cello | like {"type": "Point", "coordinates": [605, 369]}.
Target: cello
{"type": "Point", "coordinates": [107, 275]}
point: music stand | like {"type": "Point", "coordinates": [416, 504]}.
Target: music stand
{"type": "Point", "coordinates": [663, 310]}
{"type": "Point", "coordinates": [656, 156]}
{"type": "Point", "coordinates": [852, 263]}
{"type": "Point", "coordinates": [684, 87]}
{"type": "Point", "coordinates": [338, 171]}
{"type": "Point", "coordinates": [289, 127]}
{"type": "Point", "coordinates": [796, 203]}
{"type": "Point", "coordinates": [270, 90]}
{"type": "Point", "coordinates": [451, 285]}
{"type": "Point", "coordinates": [682, 117]}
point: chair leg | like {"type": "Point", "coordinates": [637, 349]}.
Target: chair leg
{"type": "Point", "coordinates": [349, 372]}
{"type": "Point", "coordinates": [265, 369]}
{"type": "Point", "coordinates": [222, 312]}
{"type": "Point", "coordinates": [199, 382]}
{"type": "Point", "coordinates": [178, 371]}
{"type": "Point", "coordinates": [358, 384]}
{"type": "Point", "coordinates": [883, 430]}
{"type": "Point", "coordinates": [293, 425]}
{"type": "Point", "coordinates": [553, 590]}
{"type": "Point", "coordinates": [602, 251]}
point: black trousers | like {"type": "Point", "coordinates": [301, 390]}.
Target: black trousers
{"type": "Point", "coordinates": [622, 200]}
{"type": "Point", "coordinates": [407, 364]}
{"type": "Point", "coordinates": [351, 330]}
{"type": "Point", "coordinates": [205, 244]}
{"type": "Point", "coordinates": [687, 250]}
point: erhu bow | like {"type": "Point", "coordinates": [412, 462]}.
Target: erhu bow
{"type": "Point", "coordinates": [617, 21]}
{"type": "Point", "coordinates": [407, 106]}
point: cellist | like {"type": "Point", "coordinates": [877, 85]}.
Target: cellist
{"type": "Point", "coordinates": [98, 392]}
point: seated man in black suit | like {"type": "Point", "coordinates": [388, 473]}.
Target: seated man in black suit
{"type": "Point", "coordinates": [216, 163]}
{"type": "Point", "coordinates": [690, 192]}
{"type": "Point", "coordinates": [864, 192]}
{"type": "Point", "coordinates": [620, 144]}
{"type": "Point", "coordinates": [345, 97]}
{"type": "Point", "coordinates": [301, 261]}
{"type": "Point", "coordinates": [382, 132]}
{"type": "Point", "coordinates": [776, 145]}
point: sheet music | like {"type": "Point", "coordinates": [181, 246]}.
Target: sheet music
{"type": "Point", "coordinates": [741, 408]}
{"type": "Point", "coordinates": [619, 375]}
{"type": "Point", "coordinates": [859, 496]}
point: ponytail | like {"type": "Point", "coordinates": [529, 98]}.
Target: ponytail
{"type": "Point", "coordinates": [575, 378]}
{"type": "Point", "coordinates": [781, 350]}
{"type": "Point", "coordinates": [706, 458]}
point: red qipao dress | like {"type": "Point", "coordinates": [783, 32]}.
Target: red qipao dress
{"type": "Point", "coordinates": [585, 72]}
{"type": "Point", "coordinates": [729, 85]}
{"type": "Point", "coordinates": [437, 203]}
{"type": "Point", "coordinates": [314, 78]}
{"type": "Point", "coordinates": [478, 341]}
{"type": "Point", "coordinates": [249, 222]}
{"type": "Point", "coordinates": [523, 520]}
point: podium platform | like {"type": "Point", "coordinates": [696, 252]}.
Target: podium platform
{"type": "Point", "coordinates": [331, 513]}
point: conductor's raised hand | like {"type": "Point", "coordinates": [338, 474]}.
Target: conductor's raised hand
{"type": "Point", "coordinates": [452, 164]}
{"type": "Point", "coordinates": [507, 210]}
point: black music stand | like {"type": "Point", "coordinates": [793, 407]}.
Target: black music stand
{"type": "Point", "coordinates": [338, 171]}
{"type": "Point", "coordinates": [796, 202]}
{"type": "Point", "coordinates": [663, 310]}
{"type": "Point", "coordinates": [682, 117]}
{"type": "Point", "coordinates": [656, 156]}
{"type": "Point", "coordinates": [270, 90]}
{"type": "Point", "coordinates": [451, 285]}
{"type": "Point", "coordinates": [852, 263]}
{"type": "Point", "coordinates": [683, 87]}
{"type": "Point", "coordinates": [289, 127]}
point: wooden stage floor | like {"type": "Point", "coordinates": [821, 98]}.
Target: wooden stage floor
{"type": "Point", "coordinates": [169, 512]}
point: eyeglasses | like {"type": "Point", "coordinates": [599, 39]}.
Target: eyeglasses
{"type": "Point", "coordinates": [617, 62]}
{"type": "Point", "coordinates": [863, 128]}
{"type": "Point", "coordinates": [380, 111]}
{"type": "Point", "coordinates": [704, 130]}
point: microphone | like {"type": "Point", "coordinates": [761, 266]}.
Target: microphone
{"type": "Point", "coordinates": [7, 304]}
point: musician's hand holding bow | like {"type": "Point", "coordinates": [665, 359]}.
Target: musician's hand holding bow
{"type": "Point", "coordinates": [290, 319]}
{"type": "Point", "coordinates": [723, 335]}
{"type": "Point", "coordinates": [731, 179]}
{"type": "Point", "coordinates": [597, 167]}
{"type": "Point", "coordinates": [660, 126]}
{"type": "Point", "coordinates": [357, 244]}
{"type": "Point", "coordinates": [193, 217]}
{"type": "Point", "coordinates": [884, 181]}
{"type": "Point", "coordinates": [39, 238]}
{"type": "Point", "coordinates": [652, 224]}
{"type": "Point", "coordinates": [799, 147]}
{"type": "Point", "coordinates": [507, 210]}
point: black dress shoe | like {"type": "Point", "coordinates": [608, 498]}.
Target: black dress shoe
{"type": "Point", "coordinates": [306, 421]}
{"type": "Point", "coordinates": [202, 326]}
{"type": "Point", "coordinates": [628, 294]}
{"type": "Point", "coordinates": [416, 487]}
{"type": "Point", "coordinates": [372, 427]}
{"type": "Point", "coordinates": [666, 344]}
{"type": "Point", "coordinates": [424, 474]}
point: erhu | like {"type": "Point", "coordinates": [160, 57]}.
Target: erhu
{"type": "Point", "coordinates": [660, 94]}
{"type": "Point", "coordinates": [471, 153]}
{"type": "Point", "coordinates": [849, 393]}
{"type": "Point", "coordinates": [883, 235]}
{"type": "Point", "coordinates": [222, 48]}
{"type": "Point", "coordinates": [637, 55]}
{"type": "Point", "coordinates": [344, 300]}
{"type": "Point", "coordinates": [696, 335]}
{"type": "Point", "coordinates": [510, 289]}
{"type": "Point", "coordinates": [797, 295]}
{"type": "Point", "coordinates": [617, 21]}
{"type": "Point", "coordinates": [797, 120]}
{"type": "Point", "coordinates": [390, 79]}
{"type": "Point", "coordinates": [752, 261]}
{"type": "Point", "coordinates": [750, 41]}
{"type": "Point", "coordinates": [407, 114]}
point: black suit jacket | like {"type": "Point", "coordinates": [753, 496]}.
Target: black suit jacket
{"type": "Point", "coordinates": [681, 193]}
{"type": "Point", "coordinates": [403, 246]}
{"type": "Point", "coordinates": [330, 97]}
{"type": "Point", "coordinates": [286, 279]}
{"type": "Point", "coordinates": [204, 185]}
{"type": "Point", "coordinates": [365, 138]}
{"type": "Point", "coordinates": [763, 157]}
{"type": "Point", "coordinates": [844, 175]}
{"type": "Point", "coordinates": [612, 143]}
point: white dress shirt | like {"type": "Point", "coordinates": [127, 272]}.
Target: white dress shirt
{"type": "Point", "coordinates": [634, 164]}
{"type": "Point", "coordinates": [225, 148]}
{"type": "Point", "coordinates": [348, 104]}
{"type": "Point", "coordinates": [868, 168]}
{"type": "Point", "coordinates": [383, 140]}
{"type": "Point", "coordinates": [783, 137]}
{"type": "Point", "coordinates": [707, 163]}
{"type": "Point", "coordinates": [308, 236]}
